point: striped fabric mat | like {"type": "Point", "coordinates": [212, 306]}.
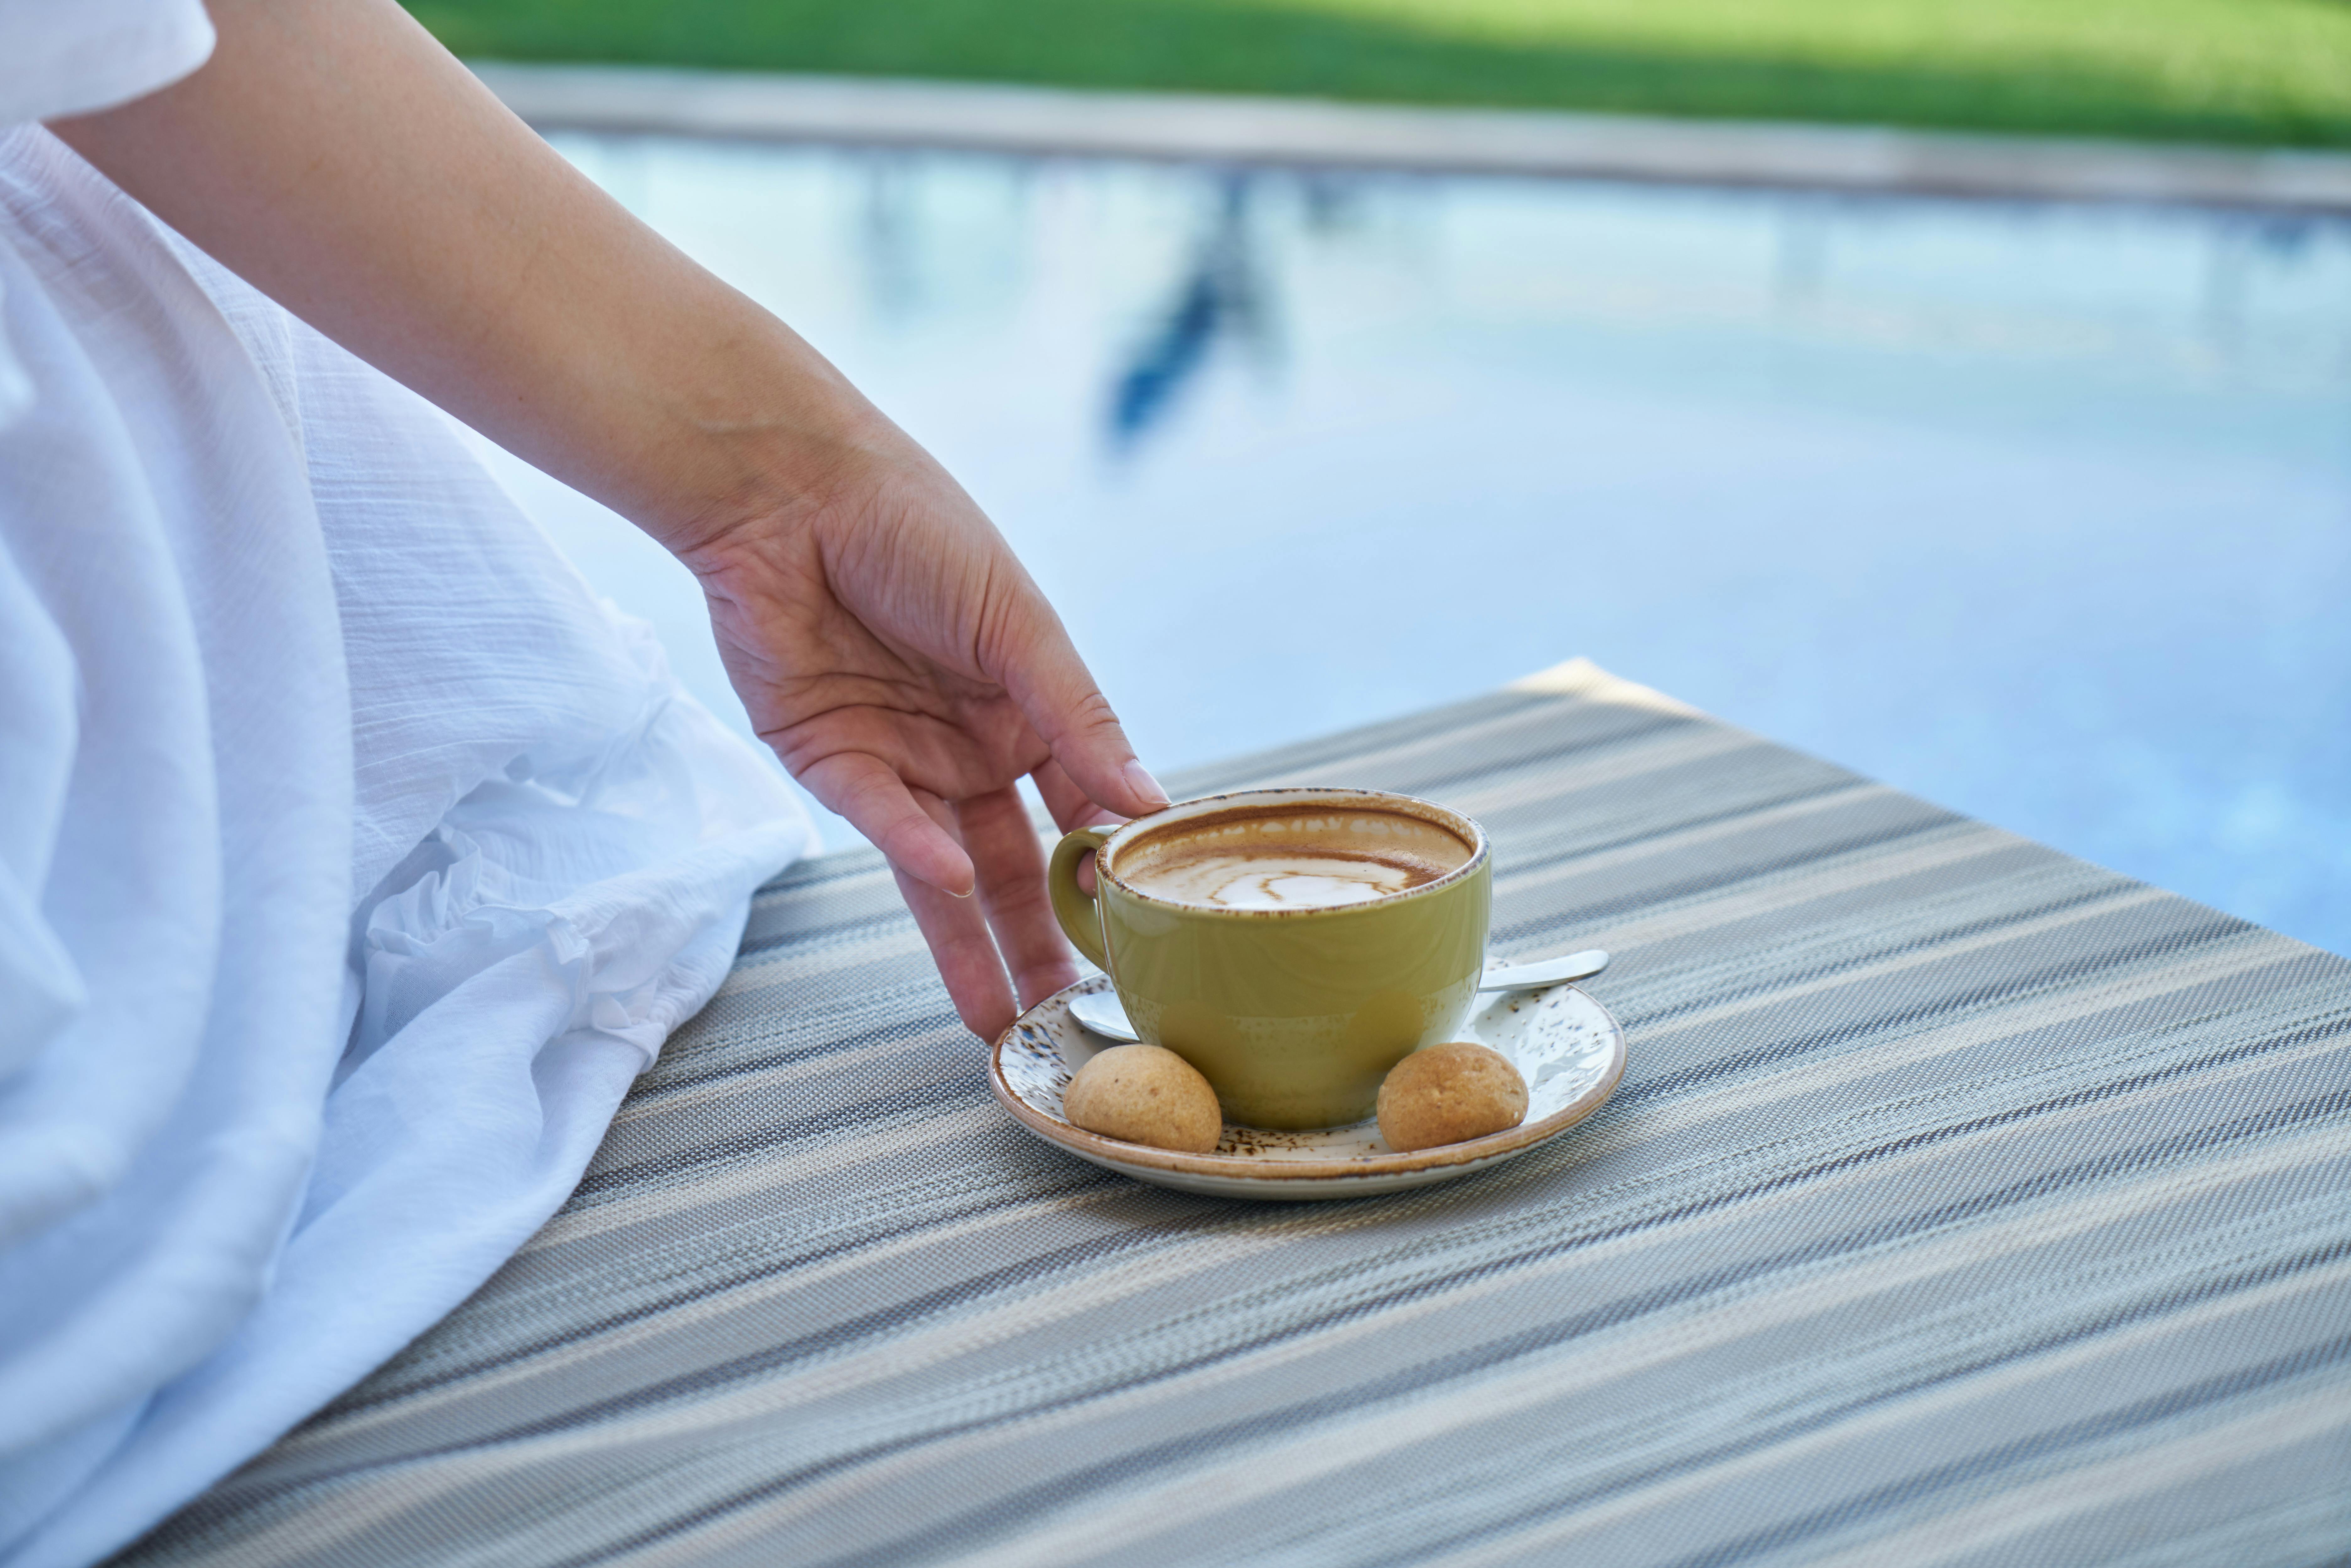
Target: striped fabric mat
{"type": "Point", "coordinates": [1964, 1203]}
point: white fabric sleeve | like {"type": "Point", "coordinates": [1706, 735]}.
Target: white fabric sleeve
{"type": "Point", "coordinates": [72, 56]}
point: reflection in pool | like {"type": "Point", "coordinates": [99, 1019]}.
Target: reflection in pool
{"type": "Point", "coordinates": [2041, 512]}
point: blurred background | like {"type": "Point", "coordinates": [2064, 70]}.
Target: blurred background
{"type": "Point", "coordinates": [2041, 510]}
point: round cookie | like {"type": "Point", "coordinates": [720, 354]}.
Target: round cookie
{"type": "Point", "coordinates": [1447, 1094]}
{"type": "Point", "coordinates": [1146, 1094]}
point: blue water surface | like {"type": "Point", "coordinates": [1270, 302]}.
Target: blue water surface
{"type": "Point", "coordinates": [2042, 512]}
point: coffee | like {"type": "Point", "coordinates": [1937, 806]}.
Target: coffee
{"type": "Point", "coordinates": [1288, 859]}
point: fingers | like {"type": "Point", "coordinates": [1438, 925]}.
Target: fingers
{"type": "Point", "coordinates": [956, 932]}
{"type": "Point", "coordinates": [997, 832]}
{"type": "Point", "coordinates": [940, 855]}
{"type": "Point", "coordinates": [1072, 807]}
{"type": "Point", "coordinates": [1051, 683]}
{"type": "Point", "coordinates": [863, 789]}
{"type": "Point", "coordinates": [1009, 867]}
{"type": "Point", "coordinates": [958, 935]}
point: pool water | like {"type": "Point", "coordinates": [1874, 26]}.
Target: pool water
{"type": "Point", "coordinates": [2040, 512]}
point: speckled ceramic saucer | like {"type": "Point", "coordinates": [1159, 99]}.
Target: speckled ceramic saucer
{"type": "Point", "coordinates": [1570, 1050]}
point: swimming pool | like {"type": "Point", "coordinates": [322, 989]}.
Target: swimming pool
{"type": "Point", "coordinates": [2040, 512]}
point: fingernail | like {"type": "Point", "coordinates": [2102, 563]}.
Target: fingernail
{"type": "Point", "coordinates": [1139, 780]}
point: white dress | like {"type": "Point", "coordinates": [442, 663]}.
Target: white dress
{"type": "Point", "coordinates": [353, 857]}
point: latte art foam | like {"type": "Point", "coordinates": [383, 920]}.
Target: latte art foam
{"type": "Point", "coordinates": [1288, 860]}
{"type": "Point", "coordinates": [1299, 881]}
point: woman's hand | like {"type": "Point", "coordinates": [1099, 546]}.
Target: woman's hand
{"type": "Point", "coordinates": [899, 660]}
{"type": "Point", "coordinates": [887, 642]}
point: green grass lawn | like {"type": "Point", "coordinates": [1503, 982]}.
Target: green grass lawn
{"type": "Point", "coordinates": [2275, 71]}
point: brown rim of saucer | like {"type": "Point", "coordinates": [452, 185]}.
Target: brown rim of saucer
{"type": "Point", "coordinates": [1257, 1167]}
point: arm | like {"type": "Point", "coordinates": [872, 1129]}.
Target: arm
{"type": "Point", "coordinates": [885, 640]}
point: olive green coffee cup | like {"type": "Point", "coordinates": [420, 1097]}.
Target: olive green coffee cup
{"type": "Point", "coordinates": [1294, 1016]}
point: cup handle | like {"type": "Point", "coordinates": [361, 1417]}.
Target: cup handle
{"type": "Point", "coordinates": [1075, 908]}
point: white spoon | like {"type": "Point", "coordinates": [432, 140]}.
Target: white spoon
{"type": "Point", "coordinates": [1101, 1013]}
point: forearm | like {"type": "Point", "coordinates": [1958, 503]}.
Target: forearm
{"type": "Point", "coordinates": [336, 157]}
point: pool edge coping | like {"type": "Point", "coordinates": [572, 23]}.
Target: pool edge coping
{"type": "Point", "coordinates": [1320, 133]}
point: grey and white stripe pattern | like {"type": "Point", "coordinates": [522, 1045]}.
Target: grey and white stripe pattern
{"type": "Point", "coordinates": [1964, 1203]}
